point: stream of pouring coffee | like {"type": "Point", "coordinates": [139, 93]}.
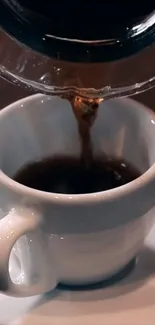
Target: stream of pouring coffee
{"type": "Point", "coordinates": [85, 111]}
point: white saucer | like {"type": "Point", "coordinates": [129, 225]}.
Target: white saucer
{"type": "Point", "coordinates": [130, 302]}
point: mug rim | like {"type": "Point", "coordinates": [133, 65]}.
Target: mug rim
{"type": "Point", "coordinates": [94, 197]}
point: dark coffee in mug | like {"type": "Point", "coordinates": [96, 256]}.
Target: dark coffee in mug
{"type": "Point", "coordinates": [86, 174]}
{"type": "Point", "coordinates": [70, 175]}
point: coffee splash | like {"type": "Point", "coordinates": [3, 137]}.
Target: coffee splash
{"type": "Point", "coordinates": [85, 111]}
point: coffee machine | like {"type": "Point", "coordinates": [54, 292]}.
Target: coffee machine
{"type": "Point", "coordinates": [93, 49]}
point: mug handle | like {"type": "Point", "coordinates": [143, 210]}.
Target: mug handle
{"type": "Point", "coordinates": [16, 224]}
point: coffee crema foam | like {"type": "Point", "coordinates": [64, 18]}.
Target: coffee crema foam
{"type": "Point", "coordinates": [85, 109]}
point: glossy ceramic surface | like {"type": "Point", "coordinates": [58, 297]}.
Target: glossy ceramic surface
{"type": "Point", "coordinates": [131, 301]}
{"type": "Point", "coordinates": [72, 239]}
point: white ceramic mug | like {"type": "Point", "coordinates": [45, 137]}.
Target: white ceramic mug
{"type": "Point", "coordinates": [72, 239]}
